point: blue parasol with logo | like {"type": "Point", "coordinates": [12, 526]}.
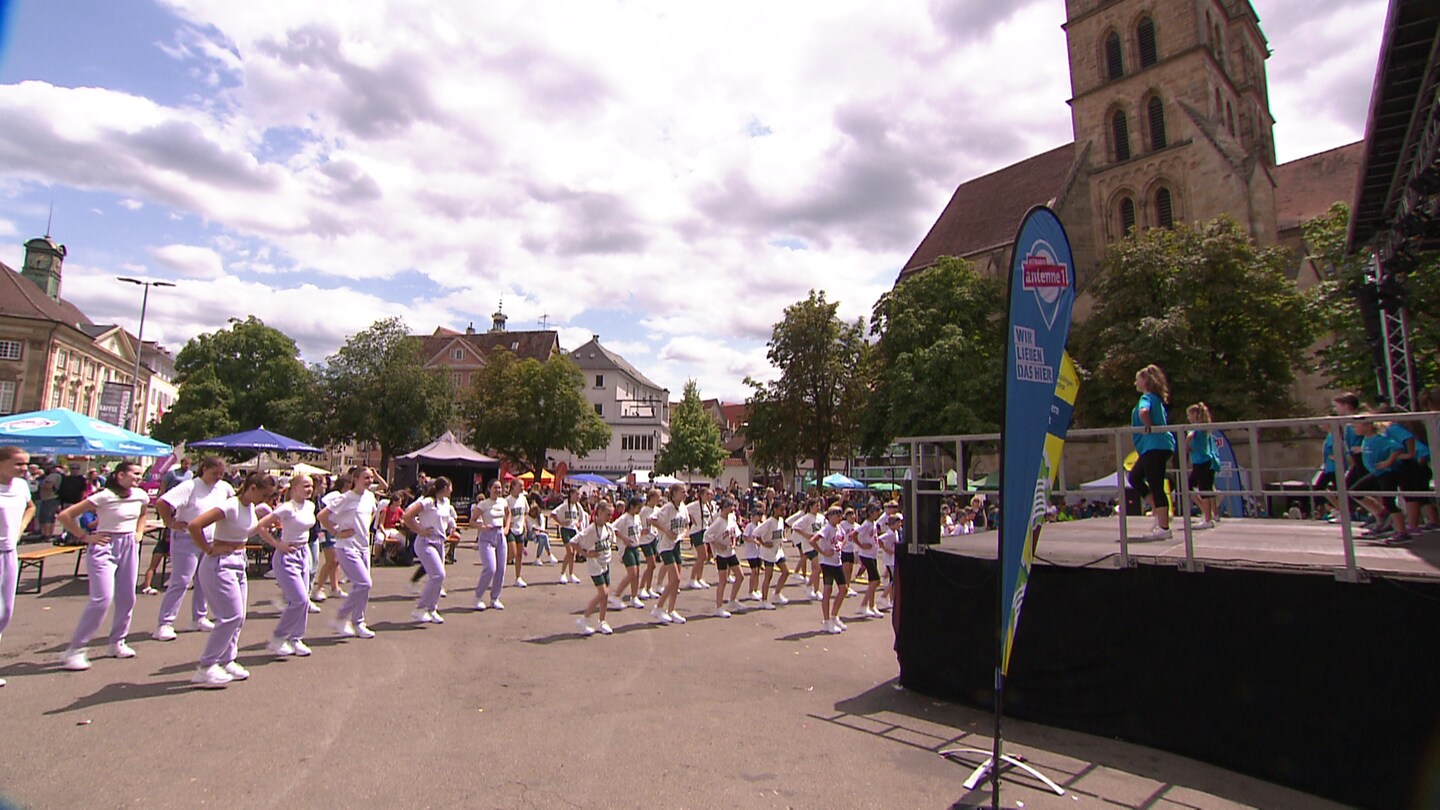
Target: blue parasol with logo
{"type": "Point", "coordinates": [61, 430]}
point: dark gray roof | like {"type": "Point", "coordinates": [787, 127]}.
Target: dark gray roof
{"type": "Point", "coordinates": [592, 355]}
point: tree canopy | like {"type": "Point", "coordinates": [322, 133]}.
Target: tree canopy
{"type": "Point", "coordinates": [381, 392]}
{"type": "Point", "coordinates": [1217, 313]}
{"type": "Point", "coordinates": [939, 356]}
{"type": "Point", "coordinates": [240, 378]}
{"type": "Point", "coordinates": [695, 444]}
{"type": "Point", "coordinates": [522, 408]}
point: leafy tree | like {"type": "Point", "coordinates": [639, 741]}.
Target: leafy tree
{"type": "Point", "coordinates": [770, 430]}
{"type": "Point", "coordinates": [381, 391]}
{"type": "Point", "coordinates": [939, 356]}
{"type": "Point", "coordinates": [1217, 313]}
{"type": "Point", "coordinates": [251, 373]}
{"type": "Point", "coordinates": [823, 383]}
{"type": "Point", "coordinates": [695, 444]}
{"type": "Point", "coordinates": [1346, 358]}
{"type": "Point", "coordinates": [522, 408]}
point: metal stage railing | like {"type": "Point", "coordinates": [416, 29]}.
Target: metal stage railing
{"type": "Point", "coordinates": [931, 482]}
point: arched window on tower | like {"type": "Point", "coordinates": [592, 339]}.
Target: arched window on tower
{"type": "Point", "coordinates": [1114, 60]}
{"type": "Point", "coordinates": [1155, 113]}
{"type": "Point", "coordinates": [1219, 105]}
{"type": "Point", "coordinates": [1230, 117]}
{"type": "Point", "coordinates": [1145, 37]}
{"type": "Point", "coordinates": [1127, 216]}
{"type": "Point", "coordinates": [1164, 208]}
{"type": "Point", "coordinates": [1120, 132]}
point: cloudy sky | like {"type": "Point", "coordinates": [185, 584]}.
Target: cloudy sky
{"type": "Point", "coordinates": [666, 175]}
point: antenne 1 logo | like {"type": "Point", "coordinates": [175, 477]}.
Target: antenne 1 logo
{"type": "Point", "coordinates": [1047, 277]}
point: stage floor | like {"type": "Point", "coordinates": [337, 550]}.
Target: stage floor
{"type": "Point", "coordinates": [1303, 546]}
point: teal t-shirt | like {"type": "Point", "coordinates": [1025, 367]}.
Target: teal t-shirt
{"type": "Point", "coordinates": [1158, 440]}
{"type": "Point", "coordinates": [1203, 452]}
{"type": "Point", "coordinates": [1374, 450]}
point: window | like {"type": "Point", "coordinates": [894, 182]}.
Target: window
{"type": "Point", "coordinates": [7, 397]}
{"type": "Point", "coordinates": [1145, 36]}
{"type": "Point", "coordinates": [61, 358]}
{"type": "Point", "coordinates": [1120, 130]}
{"type": "Point", "coordinates": [639, 441]}
{"type": "Point", "coordinates": [10, 349]}
{"type": "Point", "coordinates": [515, 346]}
{"type": "Point", "coordinates": [1127, 216]}
{"type": "Point", "coordinates": [1156, 113]}
{"type": "Point", "coordinates": [599, 380]}
{"type": "Point", "coordinates": [457, 354]}
{"type": "Point", "coordinates": [1164, 210]}
{"type": "Point", "coordinates": [89, 370]}
{"type": "Point", "coordinates": [455, 377]}
{"type": "Point", "coordinates": [599, 409]}
{"type": "Point", "coordinates": [1114, 61]}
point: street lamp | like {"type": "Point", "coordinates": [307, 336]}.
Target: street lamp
{"type": "Point", "coordinates": [130, 416]}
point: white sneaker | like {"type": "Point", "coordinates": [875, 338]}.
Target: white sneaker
{"type": "Point", "coordinates": [851, 592]}
{"type": "Point", "coordinates": [443, 594]}
{"type": "Point", "coordinates": [692, 585]}
{"type": "Point", "coordinates": [1156, 533]}
{"type": "Point", "coordinates": [550, 560]}
{"type": "Point", "coordinates": [676, 617]}
{"type": "Point", "coordinates": [421, 616]}
{"type": "Point", "coordinates": [436, 618]}
{"type": "Point", "coordinates": [883, 603]}
{"type": "Point", "coordinates": [280, 647]}
{"type": "Point", "coordinates": [202, 624]}
{"type": "Point", "coordinates": [1204, 524]}
{"type": "Point", "coordinates": [706, 586]}
{"type": "Point", "coordinates": [498, 605]}
{"type": "Point", "coordinates": [211, 677]}
{"type": "Point", "coordinates": [585, 628]}
{"type": "Point", "coordinates": [413, 589]}
{"type": "Point", "coordinates": [660, 616]}
{"type": "Point", "coordinates": [311, 607]}
{"type": "Point", "coordinates": [756, 597]}
{"type": "Point", "coordinates": [520, 583]}
{"type": "Point", "coordinates": [616, 604]}
{"type": "Point", "coordinates": [344, 628]}
{"type": "Point", "coordinates": [606, 629]}
{"type": "Point", "coordinates": [361, 631]}
{"type": "Point", "coordinates": [234, 670]}
{"type": "Point", "coordinates": [635, 602]}
{"type": "Point", "coordinates": [839, 623]}
{"type": "Point", "coordinates": [832, 627]}
{"type": "Point", "coordinates": [480, 604]}
{"type": "Point", "coordinates": [734, 605]}
{"type": "Point", "coordinates": [164, 632]}
{"type": "Point", "coordinates": [781, 600]}
{"type": "Point", "coordinates": [765, 605]}
{"type": "Point", "coordinates": [722, 613]}
{"type": "Point", "coordinates": [122, 650]}
{"type": "Point", "coordinates": [318, 596]}
{"type": "Point", "coordinates": [564, 579]}
{"type": "Point", "coordinates": [339, 593]}
{"type": "Point", "coordinates": [74, 660]}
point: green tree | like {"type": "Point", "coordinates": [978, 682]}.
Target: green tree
{"type": "Point", "coordinates": [1345, 357]}
{"type": "Point", "coordinates": [523, 408]}
{"type": "Point", "coordinates": [381, 392]}
{"type": "Point", "coordinates": [1217, 313]}
{"type": "Point", "coordinates": [251, 373]}
{"type": "Point", "coordinates": [770, 430]}
{"type": "Point", "coordinates": [824, 381]}
{"type": "Point", "coordinates": [939, 356]}
{"type": "Point", "coordinates": [695, 444]}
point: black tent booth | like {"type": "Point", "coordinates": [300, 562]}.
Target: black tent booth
{"type": "Point", "coordinates": [468, 469]}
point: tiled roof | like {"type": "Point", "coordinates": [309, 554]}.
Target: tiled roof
{"type": "Point", "coordinates": [19, 297]}
{"type": "Point", "coordinates": [537, 344]}
{"type": "Point", "coordinates": [984, 212]}
{"type": "Point", "coordinates": [592, 355]}
{"type": "Point", "coordinates": [1306, 188]}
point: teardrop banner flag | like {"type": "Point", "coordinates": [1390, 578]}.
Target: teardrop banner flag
{"type": "Point", "coordinates": [1042, 294]}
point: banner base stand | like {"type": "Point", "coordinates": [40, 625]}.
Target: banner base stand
{"type": "Point", "coordinates": [1008, 762]}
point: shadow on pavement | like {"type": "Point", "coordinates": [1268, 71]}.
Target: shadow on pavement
{"type": "Point", "coordinates": [116, 692]}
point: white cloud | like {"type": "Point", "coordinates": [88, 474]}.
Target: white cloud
{"type": "Point", "coordinates": [190, 261]}
{"type": "Point", "coordinates": [131, 205]}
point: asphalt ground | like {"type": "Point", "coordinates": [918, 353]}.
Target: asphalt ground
{"type": "Point", "coordinates": [515, 709]}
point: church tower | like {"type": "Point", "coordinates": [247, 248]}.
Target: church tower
{"type": "Point", "coordinates": [43, 259]}
{"type": "Point", "coordinates": [1170, 104]}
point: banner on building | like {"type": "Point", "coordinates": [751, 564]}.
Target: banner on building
{"type": "Point", "coordinates": [115, 399]}
{"type": "Point", "coordinates": [1042, 294]}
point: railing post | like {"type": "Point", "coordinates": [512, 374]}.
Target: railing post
{"type": "Point", "coordinates": [1123, 487]}
{"type": "Point", "coordinates": [1257, 477]}
{"type": "Point", "coordinates": [1340, 455]}
{"type": "Point", "coordinates": [1190, 564]}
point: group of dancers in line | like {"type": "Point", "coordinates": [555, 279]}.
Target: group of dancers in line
{"type": "Point", "coordinates": [209, 523]}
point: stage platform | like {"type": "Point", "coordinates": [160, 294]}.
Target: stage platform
{"type": "Point", "coordinates": [1257, 544]}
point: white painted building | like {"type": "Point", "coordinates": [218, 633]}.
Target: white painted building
{"type": "Point", "coordinates": [636, 409]}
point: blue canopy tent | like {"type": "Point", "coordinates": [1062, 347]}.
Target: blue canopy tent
{"type": "Point", "coordinates": [841, 481]}
{"type": "Point", "coordinates": [257, 440]}
{"type": "Point", "coordinates": [61, 430]}
{"type": "Point", "coordinates": [590, 478]}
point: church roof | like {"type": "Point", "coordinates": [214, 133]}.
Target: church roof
{"type": "Point", "coordinates": [20, 298]}
{"type": "Point", "coordinates": [985, 212]}
{"type": "Point", "coordinates": [1306, 188]}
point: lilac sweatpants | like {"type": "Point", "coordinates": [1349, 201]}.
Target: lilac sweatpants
{"type": "Point", "coordinates": [225, 582]}
{"type": "Point", "coordinates": [431, 552]}
{"type": "Point", "coordinates": [355, 563]}
{"type": "Point", "coordinates": [184, 560]}
{"type": "Point", "coordinates": [111, 567]}
{"type": "Point", "coordinates": [9, 576]}
{"type": "Point", "coordinates": [491, 545]}
{"type": "Point", "coordinates": [291, 574]}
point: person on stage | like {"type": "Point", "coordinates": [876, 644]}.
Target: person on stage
{"type": "Point", "coordinates": [349, 522]}
{"type": "Point", "coordinates": [1155, 447]}
{"type": "Point", "coordinates": [492, 516]}
{"type": "Point", "coordinates": [111, 561]}
{"type": "Point", "coordinates": [181, 504]}
{"type": "Point", "coordinates": [432, 519]}
{"type": "Point", "coordinates": [222, 572]}
{"type": "Point", "coordinates": [291, 565]}
{"type": "Point", "coordinates": [16, 510]}
{"type": "Point", "coordinates": [1204, 463]}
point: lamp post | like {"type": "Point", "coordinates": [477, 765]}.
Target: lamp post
{"type": "Point", "coordinates": [130, 416]}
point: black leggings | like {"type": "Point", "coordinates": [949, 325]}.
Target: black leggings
{"type": "Point", "coordinates": [1147, 477]}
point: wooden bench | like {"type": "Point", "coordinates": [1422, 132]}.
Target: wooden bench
{"type": "Point", "coordinates": [36, 557]}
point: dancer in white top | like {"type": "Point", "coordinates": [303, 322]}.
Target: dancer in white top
{"type": "Point", "coordinates": [492, 517]}
{"type": "Point", "coordinates": [629, 534]}
{"type": "Point", "coordinates": [649, 544]}
{"type": "Point", "coordinates": [702, 513]}
{"type": "Point", "coordinates": [515, 537]}
{"type": "Point", "coordinates": [112, 560]}
{"type": "Point", "coordinates": [291, 565]}
{"type": "Point", "coordinates": [597, 542]}
{"type": "Point", "coordinates": [867, 550]}
{"type": "Point", "coordinates": [179, 505]}
{"type": "Point", "coordinates": [672, 521]}
{"type": "Point", "coordinates": [567, 515]}
{"type": "Point", "coordinates": [433, 520]}
{"type": "Point", "coordinates": [721, 536]}
{"type": "Point", "coordinates": [349, 522]}
{"type": "Point", "coordinates": [16, 510]}
{"type": "Point", "coordinates": [770, 534]}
